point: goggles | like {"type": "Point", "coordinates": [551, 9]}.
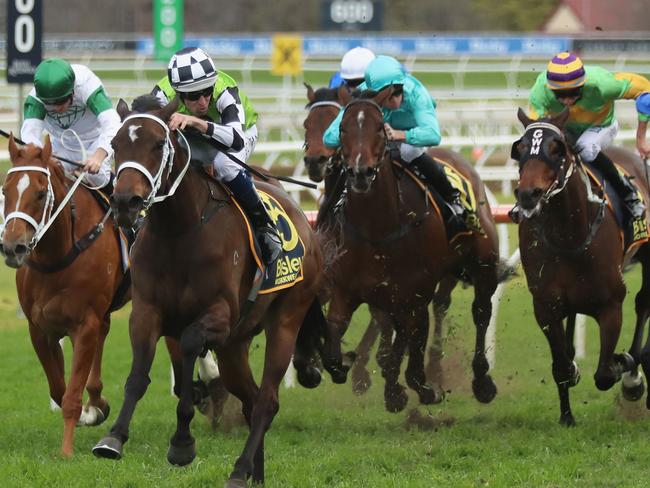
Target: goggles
{"type": "Point", "coordinates": [195, 95]}
{"type": "Point", "coordinates": [53, 104]}
{"type": "Point", "coordinates": [571, 93]}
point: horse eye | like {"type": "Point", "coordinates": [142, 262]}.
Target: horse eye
{"type": "Point", "coordinates": [41, 194]}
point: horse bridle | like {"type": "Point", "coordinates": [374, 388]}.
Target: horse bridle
{"type": "Point", "coordinates": [373, 171]}
{"type": "Point", "coordinates": [165, 165]}
{"type": "Point", "coordinates": [325, 103]}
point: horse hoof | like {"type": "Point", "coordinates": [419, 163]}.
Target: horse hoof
{"type": "Point", "coordinates": [396, 402]}
{"type": "Point", "coordinates": [310, 377]}
{"type": "Point", "coordinates": [109, 447]}
{"type": "Point", "coordinates": [632, 387]}
{"type": "Point", "coordinates": [181, 455]}
{"type": "Point", "coordinates": [339, 374]}
{"type": "Point", "coordinates": [431, 395]}
{"type": "Point", "coordinates": [232, 483]}
{"type": "Point", "coordinates": [484, 389]}
{"type": "Point", "coordinates": [360, 381]}
{"type": "Point", "coordinates": [575, 377]}
{"type": "Point", "coordinates": [567, 420]}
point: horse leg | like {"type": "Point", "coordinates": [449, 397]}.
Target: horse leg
{"type": "Point", "coordinates": [395, 397]}
{"type": "Point", "coordinates": [570, 335]}
{"type": "Point", "coordinates": [385, 346]}
{"type": "Point", "coordinates": [610, 366]}
{"type": "Point", "coordinates": [416, 325]}
{"type": "Point", "coordinates": [84, 344]}
{"type": "Point", "coordinates": [50, 355]}
{"type": "Point", "coordinates": [306, 354]}
{"type": "Point", "coordinates": [97, 409]}
{"type": "Point", "coordinates": [565, 370]}
{"type": "Point", "coordinates": [176, 358]}
{"type": "Point", "coordinates": [338, 319]}
{"type": "Point", "coordinates": [213, 401]}
{"type": "Point", "coordinates": [633, 386]}
{"type": "Point", "coordinates": [360, 374]}
{"type": "Point", "coordinates": [485, 284]}
{"type": "Point", "coordinates": [144, 330]}
{"type": "Point", "coordinates": [280, 340]}
{"type": "Point", "coordinates": [182, 449]}
{"type": "Point", "coordinates": [441, 302]}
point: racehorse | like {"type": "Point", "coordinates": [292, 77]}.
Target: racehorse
{"type": "Point", "coordinates": [323, 106]}
{"type": "Point", "coordinates": [395, 251]}
{"type": "Point", "coordinates": [69, 277]}
{"type": "Point", "coordinates": [573, 253]}
{"type": "Point", "coordinates": [192, 272]}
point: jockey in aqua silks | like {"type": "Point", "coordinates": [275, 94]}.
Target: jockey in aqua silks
{"type": "Point", "coordinates": [411, 127]}
{"type": "Point", "coordinates": [67, 98]}
{"type": "Point", "coordinates": [211, 103]}
{"type": "Point", "coordinates": [590, 92]}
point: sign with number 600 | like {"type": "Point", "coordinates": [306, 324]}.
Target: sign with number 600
{"type": "Point", "coordinates": [24, 36]}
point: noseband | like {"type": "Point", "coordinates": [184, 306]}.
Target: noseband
{"type": "Point", "coordinates": [164, 167]}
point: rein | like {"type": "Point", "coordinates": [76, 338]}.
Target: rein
{"type": "Point", "coordinates": [166, 163]}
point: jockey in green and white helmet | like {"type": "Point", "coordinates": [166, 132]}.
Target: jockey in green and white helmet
{"type": "Point", "coordinates": [68, 98]}
{"type": "Point", "coordinates": [211, 103]}
{"type": "Point", "coordinates": [411, 127]}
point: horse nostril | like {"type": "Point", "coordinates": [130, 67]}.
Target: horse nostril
{"type": "Point", "coordinates": [370, 171]}
{"type": "Point", "coordinates": [135, 202]}
{"type": "Point", "coordinates": [537, 193]}
{"type": "Point", "coordinates": [20, 250]}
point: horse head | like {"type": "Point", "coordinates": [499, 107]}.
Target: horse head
{"type": "Point", "coordinates": [29, 198]}
{"type": "Point", "coordinates": [545, 161]}
{"type": "Point", "coordinates": [363, 140]}
{"type": "Point", "coordinates": [324, 105]}
{"type": "Point", "coordinates": [144, 154]}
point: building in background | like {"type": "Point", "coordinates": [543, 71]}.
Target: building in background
{"type": "Point", "coordinates": [596, 16]}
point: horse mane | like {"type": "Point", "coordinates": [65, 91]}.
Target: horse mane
{"type": "Point", "coordinates": [365, 94]}
{"type": "Point", "coordinates": [146, 103]}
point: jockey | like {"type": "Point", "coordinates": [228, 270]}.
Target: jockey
{"type": "Point", "coordinates": [590, 92]}
{"type": "Point", "coordinates": [211, 103]}
{"type": "Point", "coordinates": [411, 126]}
{"type": "Point", "coordinates": [353, 68]}
{"type": "Point", "coordinates": [68, 98]}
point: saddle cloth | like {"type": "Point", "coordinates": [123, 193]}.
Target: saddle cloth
{"type": "Point", "coordinates": [286, 271]}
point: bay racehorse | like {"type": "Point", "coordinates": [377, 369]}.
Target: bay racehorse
{"type": "Point", "coordinates": [395, 251]}
{"type": "Point", "coordinates": [573, 253]}
{"type": "Point", "coordinates": [321, 162]}
{"type": "Point", "coordinates": [69, 277]}
{"type": "Point", "coordinates": [192, 271]}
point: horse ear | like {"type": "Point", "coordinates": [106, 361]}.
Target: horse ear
{"type": "Point", "coordinates": [310, 93]}
{"type": "Point", "coordinates": [46, 153]}
{"type": "Point", "coordinates": [515, 153]}
{"type": "Point", "coordinates": [344, 95]}
{"type": "Point", "coordinates": [167, 111]}
{"type": "Point", "coordinates": [122, 109]}
{"type": "Point", "coordinates": [523, 118]}
{"type": "Point", "coordinates": [560, 119]}
{"type": "Point", "coordinates": [13, 149]}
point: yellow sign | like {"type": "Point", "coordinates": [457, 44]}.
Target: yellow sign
{"type": "Point", "coordinates": [286, 58]}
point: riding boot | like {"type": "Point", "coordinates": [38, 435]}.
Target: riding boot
{"type": "Point", "coordinates": [265, 230]}
{"type": "Point", "coordinates": [434, 174]}
{"type": "Point", "coordinates": [622, 185]}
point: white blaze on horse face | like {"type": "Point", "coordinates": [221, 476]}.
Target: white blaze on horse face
{"type": "Point", "coordinates": [132, 132]}
{"type": "Point", "coordinates": [360, 118]}
{"type": "Point", "coordinates": [23, 184]}
{"type": "Point", "coordinates": [537, 141]}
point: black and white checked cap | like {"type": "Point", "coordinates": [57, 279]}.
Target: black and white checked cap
{"type": "Point", "coordinates": [191, 69]}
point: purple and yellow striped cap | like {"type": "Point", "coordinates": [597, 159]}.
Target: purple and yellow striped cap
{"type": "Point", "coordinates": [565, 71]}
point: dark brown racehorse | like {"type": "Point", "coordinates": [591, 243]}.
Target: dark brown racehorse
{"type": "Point", "coordinates": [192, 272]}
{"type": "Point", "coordinates": [68, 277]}
{"type": "Point", "coordinates": [573, 255]}
{"type": "Point", "coordinates": [323, 107]}
{"type": "Point", "coordinates": [395, 252]}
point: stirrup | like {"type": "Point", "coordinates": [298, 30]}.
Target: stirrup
{"type": "Point", "coordinates": [270, 244]}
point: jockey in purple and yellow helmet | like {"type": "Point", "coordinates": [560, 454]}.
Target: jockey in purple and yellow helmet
{"type": "Point", "coordinates": [590, 92]}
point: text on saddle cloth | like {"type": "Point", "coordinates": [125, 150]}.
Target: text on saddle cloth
{"type": "Point", "coordinates": [287, 270]}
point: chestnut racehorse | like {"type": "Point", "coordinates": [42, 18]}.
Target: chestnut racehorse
{"type": "Point", "coordinates": [572, 253]}
{"type": "Point", "coordinates": [192, 273]}
{"type": "Point", "coordinates": [396, 251]}
{"type": "Point", "coordinates": [69, 277]}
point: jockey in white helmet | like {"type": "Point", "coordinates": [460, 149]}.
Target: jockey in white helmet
{"type": "Point", "coordinates": [353, 67]}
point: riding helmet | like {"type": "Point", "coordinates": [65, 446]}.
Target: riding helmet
{"type": "Point", "coordinates": [565, 71]}
{"type": "Point", "coordinates": [53, 80]}
{"type": "Point", "coordinates": [191, 69]}
{"type": "Point", "coordinates": [355, 62]}
{"type": "Point", "coordinates": [384, 71]}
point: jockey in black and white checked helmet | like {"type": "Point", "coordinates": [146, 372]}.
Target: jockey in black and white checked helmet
{"type": "Point", "coordinates": [191, 70]}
